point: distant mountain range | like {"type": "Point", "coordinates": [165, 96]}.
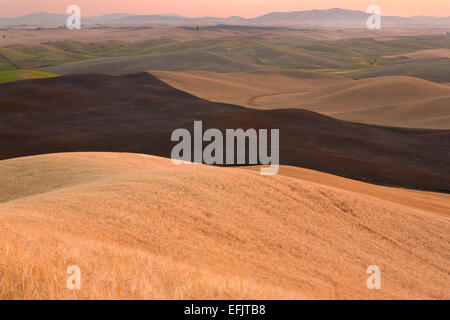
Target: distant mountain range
{"type": "Point", "coordinates": [328, 18]}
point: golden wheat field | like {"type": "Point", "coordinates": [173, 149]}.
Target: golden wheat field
{"type": "Point", "coordinates": [140, 227]}
{"type": "Point", "coordinates": [388, 101]}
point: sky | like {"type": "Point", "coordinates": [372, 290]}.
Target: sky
{"type": "Point", "coordinates": [221, 8]}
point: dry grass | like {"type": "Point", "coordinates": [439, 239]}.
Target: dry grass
{"type": "Point", "coordinates": [141, 228]}
{"type": "Point", "coordinates": [242, 88]}
{"type": "Point", "coordinates": [389, 101]}
{"type": "Point", "coordinates": [431, 202]}
{"type": "Point", "coordinates": [33, 266]}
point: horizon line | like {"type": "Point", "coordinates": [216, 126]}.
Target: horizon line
{"type": "Point", "coordinates": [207, 16]}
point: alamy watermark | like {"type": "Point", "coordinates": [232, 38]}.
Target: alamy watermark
{"type": "Point", "coordinates": [374, 280]}
{"type": "Point", "coordinates": [374, 21]}
{"type": "Point", "coordinates": [74, 280]}
{"type": "Point", "coordinates": [234, 144]}
{"type": "Point", "coordinates": [73, 22]}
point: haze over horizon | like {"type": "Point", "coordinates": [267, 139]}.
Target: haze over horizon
{"type": "Point", "coordinates": [221, 8]}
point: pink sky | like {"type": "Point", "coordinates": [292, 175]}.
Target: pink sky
{"type": "Point", "coordinates": [220, 8]}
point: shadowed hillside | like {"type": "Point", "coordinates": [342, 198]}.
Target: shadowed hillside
{"type": "Point", "coordinates": [393, 156]}
{"type": "Point", "coordinates": [137, 113]}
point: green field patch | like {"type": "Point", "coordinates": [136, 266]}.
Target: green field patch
{"type": "Point", "coordinates": [347, 57]}
{"type": "Point", "coordinates": [16, 75]}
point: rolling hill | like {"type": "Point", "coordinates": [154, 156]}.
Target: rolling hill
{"type": "Point", "coordinates": [243, 88]}
{"type": "Point", "coordinates": [431, 69]}
{"type": "Point", "coordinates": [137, 113]}
{"type": "Point", "coordinates": [390, 101]}
{"type": "Point", "coordinates": [209, 55]}
{"type": "Point", "coordinates": [226, 50]}
{"type": "Point", "coordinates": [141, 228]}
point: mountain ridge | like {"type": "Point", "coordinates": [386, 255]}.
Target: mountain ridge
{"type": "Point", "coordinates": [329, 17]}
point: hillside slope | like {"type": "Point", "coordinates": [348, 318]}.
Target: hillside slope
{"type": "Point", "coordinates": [395, 101]}
{"type": "Point", "coordinates": [435, 69]}
{"type": "Point", "coordinates": [140, 227]}
{"type": "Point", "coordinates": [243, 88]}
{"type": "Point", "coordinates": [390, 101]}
{"type": "Point", "coordinates": [385, 155]}
{"type": "Point", "coordinates": [138, 113]}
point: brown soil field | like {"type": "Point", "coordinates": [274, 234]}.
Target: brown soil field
{"type": "Point", "coordinates": [140, 227]}
{"type": "Point", "coordinates": [137, 113]}
{"type": "Point", "coordinates": [383, 155]}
